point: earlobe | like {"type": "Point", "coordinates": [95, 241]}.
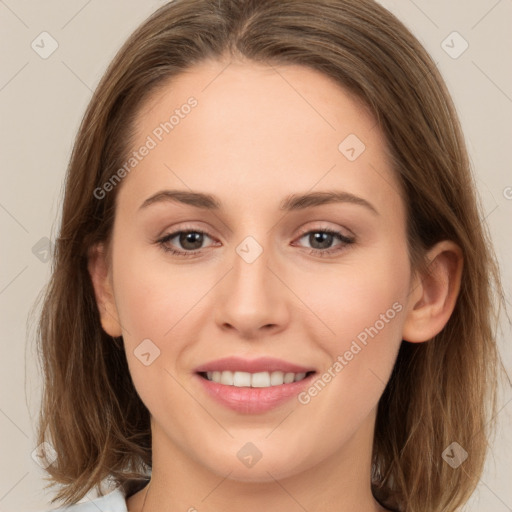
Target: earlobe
{"type": "Point", "coordinates": [98, 268]}
{"type": "Point", "coordinates": [434, 293]}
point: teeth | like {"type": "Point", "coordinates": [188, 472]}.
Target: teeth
{"type": "Point", "coordinates": [259, 380]}
{"type": "Point", "coordinates": [289, 377]}
{"type": "Point", "coordinates": [241, 379]}
{"type": "Point", "coordinates": [254, 380]}
{"type": "Point", "coordinates": [227, 378]}
{"type": "Point", "coordinates": [276, 378]}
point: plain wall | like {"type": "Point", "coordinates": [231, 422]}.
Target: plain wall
{"type": "Point", "coordinates": [42, 102]}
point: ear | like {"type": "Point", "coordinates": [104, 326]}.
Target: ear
{"type": "Point", "coordinates": [99, 270]}
{"type": "Point", "coordinates": [434, 293]}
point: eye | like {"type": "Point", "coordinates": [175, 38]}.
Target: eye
{"type": "Point", "coordinates": [191, 240]}
{"type": "Point", "coordinates": [323, 239]}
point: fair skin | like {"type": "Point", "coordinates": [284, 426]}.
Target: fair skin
{"type": "Point", "coordinates": [258, 135]}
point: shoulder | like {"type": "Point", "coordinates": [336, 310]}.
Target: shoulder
{"type": "Point", "coordinates": [114, 501]}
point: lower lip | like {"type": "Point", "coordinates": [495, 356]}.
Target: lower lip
{"type": "Point", "coordinates": [253, 400]}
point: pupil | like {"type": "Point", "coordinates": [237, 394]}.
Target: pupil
{"type": "Point", "coordinates": [191, 237]}
{"type": "Point", "coordinates": [318, 237]}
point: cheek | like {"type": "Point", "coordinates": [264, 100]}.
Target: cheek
{"type": "Point", "coordinates": [365, 291]}
{"type": "Point", "coordinates": [153, 299]}
{"type": "Point", "coordinates": [362, 307]}
{"type": "Point", "coordinates": [372, 302]}
{"type": "Point", "coordinates": [157, 301]}
{"type": "Point", "coordinates": [152, 295]}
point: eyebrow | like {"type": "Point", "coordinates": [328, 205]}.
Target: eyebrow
{"type": "Point", "coordinates": [292, 202]}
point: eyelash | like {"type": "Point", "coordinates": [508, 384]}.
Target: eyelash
{"type": "Point", "coordinates": [315, 252]}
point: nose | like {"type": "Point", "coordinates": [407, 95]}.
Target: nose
{"type": "Point", "coordinates": [252, 299]}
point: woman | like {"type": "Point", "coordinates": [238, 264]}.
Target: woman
{"type": "Point", "coordinates": [260, 369]}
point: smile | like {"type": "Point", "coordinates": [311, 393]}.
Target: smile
{"type": "Point", "coordinates": [242, 379]}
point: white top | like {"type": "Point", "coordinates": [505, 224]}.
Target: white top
{"type": "Point", "coordinates": [115, 501]}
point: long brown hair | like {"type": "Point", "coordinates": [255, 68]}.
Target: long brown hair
{"type": "Point", "coordinates": [440, 391]}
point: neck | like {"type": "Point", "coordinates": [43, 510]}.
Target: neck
{"type": "Point", "coordinates": [340, 483]}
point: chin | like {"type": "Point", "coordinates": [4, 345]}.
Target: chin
{"type": "Point", "coordinates": [246, 463]}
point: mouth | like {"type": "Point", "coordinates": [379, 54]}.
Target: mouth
{"type": "Point", "coordinates": [253, 392]}
{"type": "Point", "coordinates": [241, 379]}
{"type": "Point", "coordinates": [252, 386]}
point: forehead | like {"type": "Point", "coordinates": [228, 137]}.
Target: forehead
{"type": "Point", "coordinates": [233, 94]}
{"type": "Point", "coordinates": [258, 128]}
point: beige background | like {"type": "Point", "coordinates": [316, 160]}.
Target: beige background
{"type": "Point", "coordinates": [42, 102]}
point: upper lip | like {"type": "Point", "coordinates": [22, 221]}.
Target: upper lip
{"type": "Point", "coordinates": [262, 364]}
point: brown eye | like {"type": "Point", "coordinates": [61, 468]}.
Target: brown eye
{"type": "Point", "coordinates": [321, 241]}
{"type": "Point", "coordinates": [190, 241]}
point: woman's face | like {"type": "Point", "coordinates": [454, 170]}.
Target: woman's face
{"type": "Point", "coordinates": [265, 293]}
